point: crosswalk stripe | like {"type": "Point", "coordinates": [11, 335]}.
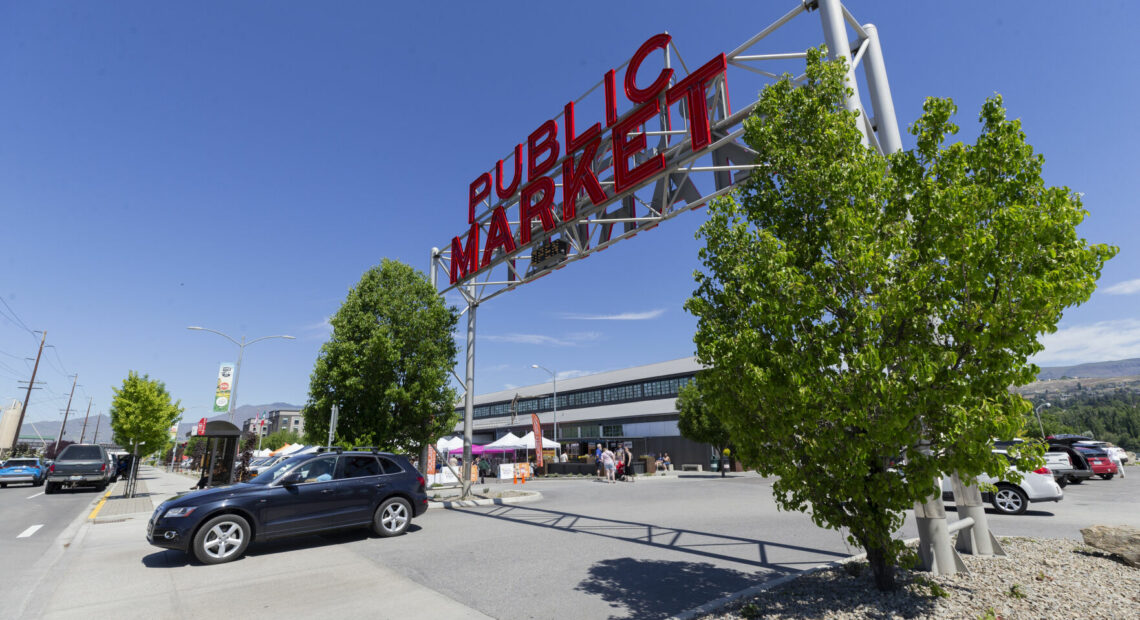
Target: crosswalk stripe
{"type": "Point", "coordinates": [36, 495]}
{"type": "Point", "coordinates": [31, 530]}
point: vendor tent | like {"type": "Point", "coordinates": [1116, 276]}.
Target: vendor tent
{"type": "Point", "coordinates": [449, 444]}
{"type": "Point", "coordinates": [528, 442]}
{"type": "Point", "coordinates": [510, 441]}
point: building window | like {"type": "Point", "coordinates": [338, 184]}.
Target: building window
{"type": "Point", "coordinates": [611, 430]}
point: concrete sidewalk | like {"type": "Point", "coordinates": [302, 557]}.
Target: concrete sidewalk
{"type": "Point", "coordinates": [106, 568]}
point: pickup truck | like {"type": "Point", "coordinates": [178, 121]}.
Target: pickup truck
{"type": "Point", "coordinates": [79, 465]}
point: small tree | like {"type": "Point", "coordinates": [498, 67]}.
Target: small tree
{"type": "Point", "coordinates": [854, 307]}
{"type": "Point", "coordinates": [279, 439]}
{"type": "Point", "coordinates": [141, 411]}
{"type": "Point", "coordinates": [387, 365]}
{"type": "Point", "coordinates": [697, 422]}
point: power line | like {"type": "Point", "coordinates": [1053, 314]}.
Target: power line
{"type": "Point", "coordinates": [15, 317]}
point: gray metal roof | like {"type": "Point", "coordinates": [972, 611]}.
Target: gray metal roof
{"type": "Point", "coordinates": [636, 373]}
{"type": "Point", "coordinates": [641, 408]}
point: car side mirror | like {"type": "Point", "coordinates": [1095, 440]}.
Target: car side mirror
{"type": "Point", "coordinates": [292, 478]}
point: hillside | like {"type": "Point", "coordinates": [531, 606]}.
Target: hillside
{"type": "Point", "coordinates": [1118, 368]}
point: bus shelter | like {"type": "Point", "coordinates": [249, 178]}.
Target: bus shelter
{"type": "Point", "coordinates": [222, 439]}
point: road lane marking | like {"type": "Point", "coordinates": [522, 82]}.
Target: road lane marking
{"type": "Point", "coordinates": [36, 495]}
{"type": "Point", "coordinates": [99, 506]}
{"type": "Point", "coordinates": [31, 530]}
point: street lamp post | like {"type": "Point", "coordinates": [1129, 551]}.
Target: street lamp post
{"type": "Point", "coordinates": [554, 380]}
{"type": "Point", "coordinates": [1037, 411]}
{"type": "Point", "coordinates": [241, 351]}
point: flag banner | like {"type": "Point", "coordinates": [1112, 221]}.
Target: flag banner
{"type": "Point", "coordinates": [222, 394]}
{"type": "Point", "coordinates": [430, 462]}
{"type": "Point", "coordinates": [537, 438]}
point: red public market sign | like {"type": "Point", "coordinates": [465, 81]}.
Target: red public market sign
{"type": "Point", "coordinates": [577, 153]}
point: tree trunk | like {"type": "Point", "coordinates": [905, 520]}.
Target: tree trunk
{"type": "Point", "coordinates": [884, 572]}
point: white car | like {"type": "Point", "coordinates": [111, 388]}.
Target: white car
{"type": "Point", "coordinates": [1010, 498]}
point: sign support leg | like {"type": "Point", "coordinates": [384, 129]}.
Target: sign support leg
{"type": "Point", "coordinates": [469, 396]}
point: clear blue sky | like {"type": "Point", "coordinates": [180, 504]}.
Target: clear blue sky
{"type": "Point", "coordinates": [238, 165]}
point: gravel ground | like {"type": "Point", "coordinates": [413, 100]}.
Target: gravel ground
{"type": "Point", "coordinates": [1040, 578]}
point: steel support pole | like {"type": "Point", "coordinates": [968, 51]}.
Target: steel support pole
{"type": "Point", "coordinates": [886, 125]}
{"type": "Point", "coordinates": [977, 539]}
{"type": "Point", "coordinates": [554, 379]}
{"type": "Point", "coordinates": [835, 35]}
{"type": "Point", "coordinates": [934, 547]}
{"type": "Point", "coordinates": [469, 396]}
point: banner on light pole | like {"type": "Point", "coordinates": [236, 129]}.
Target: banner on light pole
{"type": "Point", "coordinates": [225, 385]}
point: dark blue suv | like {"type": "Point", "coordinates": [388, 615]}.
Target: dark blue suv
{"type": "Point", "coordinates": [300, 495]}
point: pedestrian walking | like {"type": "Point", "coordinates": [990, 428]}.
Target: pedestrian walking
{"type": "Point", "coordinates": [627, 461]}
{"type": "Point", "coordinates": [609, 464]}
{"type": "Point", "coordinates": [598, 461]}
{"type": "Point", "coordinates": [484, 469]}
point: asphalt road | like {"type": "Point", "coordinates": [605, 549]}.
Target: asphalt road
{"type": "Point", "coordinates": [593, 550]}
{"type": "Point", "coordinates": [29, 522]}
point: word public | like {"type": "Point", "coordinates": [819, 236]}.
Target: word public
{"type": "Point", "coordinates": [543, 150]}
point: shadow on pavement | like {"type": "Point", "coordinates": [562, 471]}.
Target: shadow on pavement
{"type": "Point", "coordinates": [170, 558]}
{"type": "Point", "coordinates": [659, 589]}
{"type": "Point", "coordinates": [732, 548]}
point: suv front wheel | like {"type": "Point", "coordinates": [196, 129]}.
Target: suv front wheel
{"type": "Point", "coordinates": [221, 539]}
{"type": "Point", "coordinates": [392, 517]}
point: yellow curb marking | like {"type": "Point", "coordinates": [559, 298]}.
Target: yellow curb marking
{"type": "Point", "coordinates": [99, 506]}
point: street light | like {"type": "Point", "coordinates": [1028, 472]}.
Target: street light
{"type": "Point", "coordinates": [1037, 410]}
{"type": "Point", "coordinates": [241, 351]}
{"type": "Point", "coordinates": [553, 379]}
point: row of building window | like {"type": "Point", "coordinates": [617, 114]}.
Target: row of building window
{"type": "Point", "coordinates": [645, 390]}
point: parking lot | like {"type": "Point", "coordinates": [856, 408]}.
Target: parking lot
{"type": "Point", "coordinates": [649, 549]}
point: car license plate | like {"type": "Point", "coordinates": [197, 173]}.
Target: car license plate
{"type": "Point", "coordinates": [77, 477]}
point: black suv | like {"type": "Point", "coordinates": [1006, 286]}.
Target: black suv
{"type": "Point", "coordinates": [303, 494]}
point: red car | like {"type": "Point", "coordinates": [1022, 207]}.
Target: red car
{"type": "Point", "coordinates": [1099, 462]}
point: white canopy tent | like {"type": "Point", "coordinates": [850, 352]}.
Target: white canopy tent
{"type": "Point", "coordinates": [528, 442]}
{"type": "Point", "coordinates": [510, 441]}
{"type": "Point", "coordinates": [446, 444]}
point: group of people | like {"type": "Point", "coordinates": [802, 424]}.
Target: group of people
{"type": "Point", "coordinates": [614, 465]}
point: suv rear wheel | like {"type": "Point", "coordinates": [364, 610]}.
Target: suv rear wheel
{"type": "Point", "coordinates": [1010, 500]}
{"type": "Point", "coordinates": [221, 539]}
{"type": "Point", "coordinates": [392, 517]}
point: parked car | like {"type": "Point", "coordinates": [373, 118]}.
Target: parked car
{"type": "Point", "coordinates": [79, 464]}
{"type": "Point", "coordinates": [1014, 498]}
{"type": "Point", "coordinates": [303, 494]}
{"type": "Point", "coordinates": [1076, 472]}
{"type": "Point", "coordinates": [19, 470]}
{"type": "Point", "coordinates": [1113, 451]}
{"type": "Point", "coordinates": [1099, 461]}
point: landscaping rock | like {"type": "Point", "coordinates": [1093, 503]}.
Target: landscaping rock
{"type": "Point", "coordinates": [1120, 540]}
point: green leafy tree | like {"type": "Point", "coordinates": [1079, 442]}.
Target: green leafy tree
{"type": "Point", "coordinates": [279, 439]}
{"type": "Point", "coordinates": [387, 364]}
{"type": "Point", "coordinates": [141, 411]}
{"type": "Point", "coordinates": [853, 308]}
{"type": "Point", "coordinates": [697, 422]}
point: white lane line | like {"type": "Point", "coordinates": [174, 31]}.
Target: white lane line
{"type": "Point", "coordinates": [36, 495]}
{"type": "Point", "coordinates": [31, 530]}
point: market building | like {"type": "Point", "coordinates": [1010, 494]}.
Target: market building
{"type": "Point", "coordinates": [633, 406]}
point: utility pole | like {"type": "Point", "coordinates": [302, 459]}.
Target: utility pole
{"type": "Point", "coordinates": [83, 435]}
{"type": "Point", "coordinates": [65, 412]}
{"type": "Point", "coordinates": [98, 419]}
{"type": "Point", "coordinates": [31, 383]}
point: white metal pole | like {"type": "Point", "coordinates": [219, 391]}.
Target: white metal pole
{"type": "Point", "coordinates": [469, 396]}
{"type": "Point", "coordinates": [876, 71]}
{"type": "Point", "coordinates": [237, 374]}
{"type": "Point", "coordinates": [554, 378]}
{"type": "Point", "coordinates": [835, 35]}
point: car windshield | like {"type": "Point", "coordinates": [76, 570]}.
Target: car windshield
{"type": "Point", "coordinates": [21, 463]}
{"type": "Point", "coordinates": [275, 472]}
{"type": "Point", "coordinates": [1092, 451]}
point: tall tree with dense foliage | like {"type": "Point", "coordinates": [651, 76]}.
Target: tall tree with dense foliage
{"type": "Point", "coordinates": [853, 308]}
{"type": "Point", "coordinates": [280, 439]}
{"type": "Point", "coordinates": [387, 364]}
{"type": "Point", "coordinates": [142, 411]}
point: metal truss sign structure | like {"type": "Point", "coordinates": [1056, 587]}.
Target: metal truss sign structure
{"type": "Point", "coordinates": [676, 146]}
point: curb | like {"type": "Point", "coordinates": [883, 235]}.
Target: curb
{"type": "Point", "coordinates": [531, 496]}
{"type": "Point", "coordinates": [714, 605]}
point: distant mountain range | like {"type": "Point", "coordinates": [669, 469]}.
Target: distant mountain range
{"type": "Point", "coordinates": [50, 428]}
{"type": "Point", "coordinates": [1094, 370]}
